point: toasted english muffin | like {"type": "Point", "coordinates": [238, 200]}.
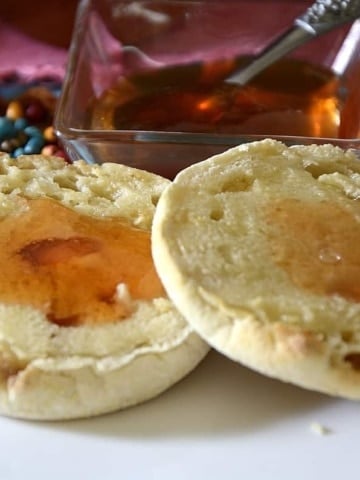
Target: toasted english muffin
{"type": "Point", "coordinates": [85, 325]}
{"type": "Point", "coordinates": [258, 247]}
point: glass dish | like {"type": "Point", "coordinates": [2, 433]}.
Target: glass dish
{"type": "Point", "coordinates": [145, 82]}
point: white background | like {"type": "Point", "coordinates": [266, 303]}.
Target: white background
{"type": "Point", "coordinates": [222, 422]}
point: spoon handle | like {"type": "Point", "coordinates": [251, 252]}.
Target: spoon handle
{"type": "Point", "coordinates": [321, 17]}
{"type": "Point", "coordinates": [324, 15]}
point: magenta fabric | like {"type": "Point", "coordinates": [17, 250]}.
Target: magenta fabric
{"type": "Point", "coordinates": [29, 60]}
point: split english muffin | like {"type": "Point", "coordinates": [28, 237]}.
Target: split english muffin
{"type": "Point", "coordinates": [258, 247]}
{"type": "Point", "coordinates": [85, 324]}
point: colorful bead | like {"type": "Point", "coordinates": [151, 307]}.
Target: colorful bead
{"type": "Point", "coordinates": [60, 153]}
{"type": "Point", "coordinates": [21, 123]}
{"type": "Point", "coordinates": [49, 150]}
{"type": "Point", "coordinates": [34, 145]}
{"type": "Point", "coordinates": [14, 110]}
{"type": "Point", "coordinates": [6, 146]}
{"type": "Point", "coordinates": [17, 152]}
{"type": "Point", "coordinates": [32, 131]}
{"type": "Point", "coordinates": [35, 112]}
{"type": "Point", "coordinates": [26, 127]}
{"type": "Point", "coordinates": [49, 134]}
{"type": "Point", "coordinates": [7, 129]}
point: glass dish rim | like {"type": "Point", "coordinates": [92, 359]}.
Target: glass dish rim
{"type": "Point", "coordinates": [66, 132]}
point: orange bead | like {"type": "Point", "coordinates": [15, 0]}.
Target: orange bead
{"type": "Point", "coordinates": [49, 134]}
{"type": "Point", "coordinates": [14, 110]}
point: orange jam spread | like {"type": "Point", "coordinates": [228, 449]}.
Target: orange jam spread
{"type": "Point", "coordinates": [68, 265]}
{"type": "Point", "coordinates": [318, 245]}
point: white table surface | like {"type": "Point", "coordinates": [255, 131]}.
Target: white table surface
{"type": "Point", "coordinates": [222, 422]}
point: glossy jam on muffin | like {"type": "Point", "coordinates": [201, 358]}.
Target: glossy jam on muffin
{"type": "Point", "coordinates": [75, 268]}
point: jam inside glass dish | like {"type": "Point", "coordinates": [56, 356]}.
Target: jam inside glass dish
{"type": "Point", "coordinates": [146, 82]}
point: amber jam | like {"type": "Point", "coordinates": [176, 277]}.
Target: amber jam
{"type": "Point", "coordinates": [290, 98]}
{"type": "Point", "coordinates": [317, 244]}
{"type": "Point", "coordinates": [69, 265]}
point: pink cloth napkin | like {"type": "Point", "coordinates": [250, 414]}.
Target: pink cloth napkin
{"type": "Point", "coordinates": [28, 60]}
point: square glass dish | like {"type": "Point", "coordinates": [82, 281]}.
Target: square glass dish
{"type": "Point", "coordinates": [146, 82]}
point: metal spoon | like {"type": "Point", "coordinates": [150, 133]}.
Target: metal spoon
{"type": "Point", "coordinates": [321, 17]}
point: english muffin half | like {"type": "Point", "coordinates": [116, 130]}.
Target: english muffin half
{"type": "Point", "coordinates": [85, 324]}
{"type": "Point", "coordinates": [259, 248]}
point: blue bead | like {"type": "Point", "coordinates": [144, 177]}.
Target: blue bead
{"type": "Point", "coordinates": [32, 131]}
{"type": "Point", "coordinates": [34, 145]}
{"type": "Point", "coordinates": [7, 129]}
{"type": "Point", "coordinates": [21, 123]}
{"type": "Point", "coordinates": [17, 152]}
